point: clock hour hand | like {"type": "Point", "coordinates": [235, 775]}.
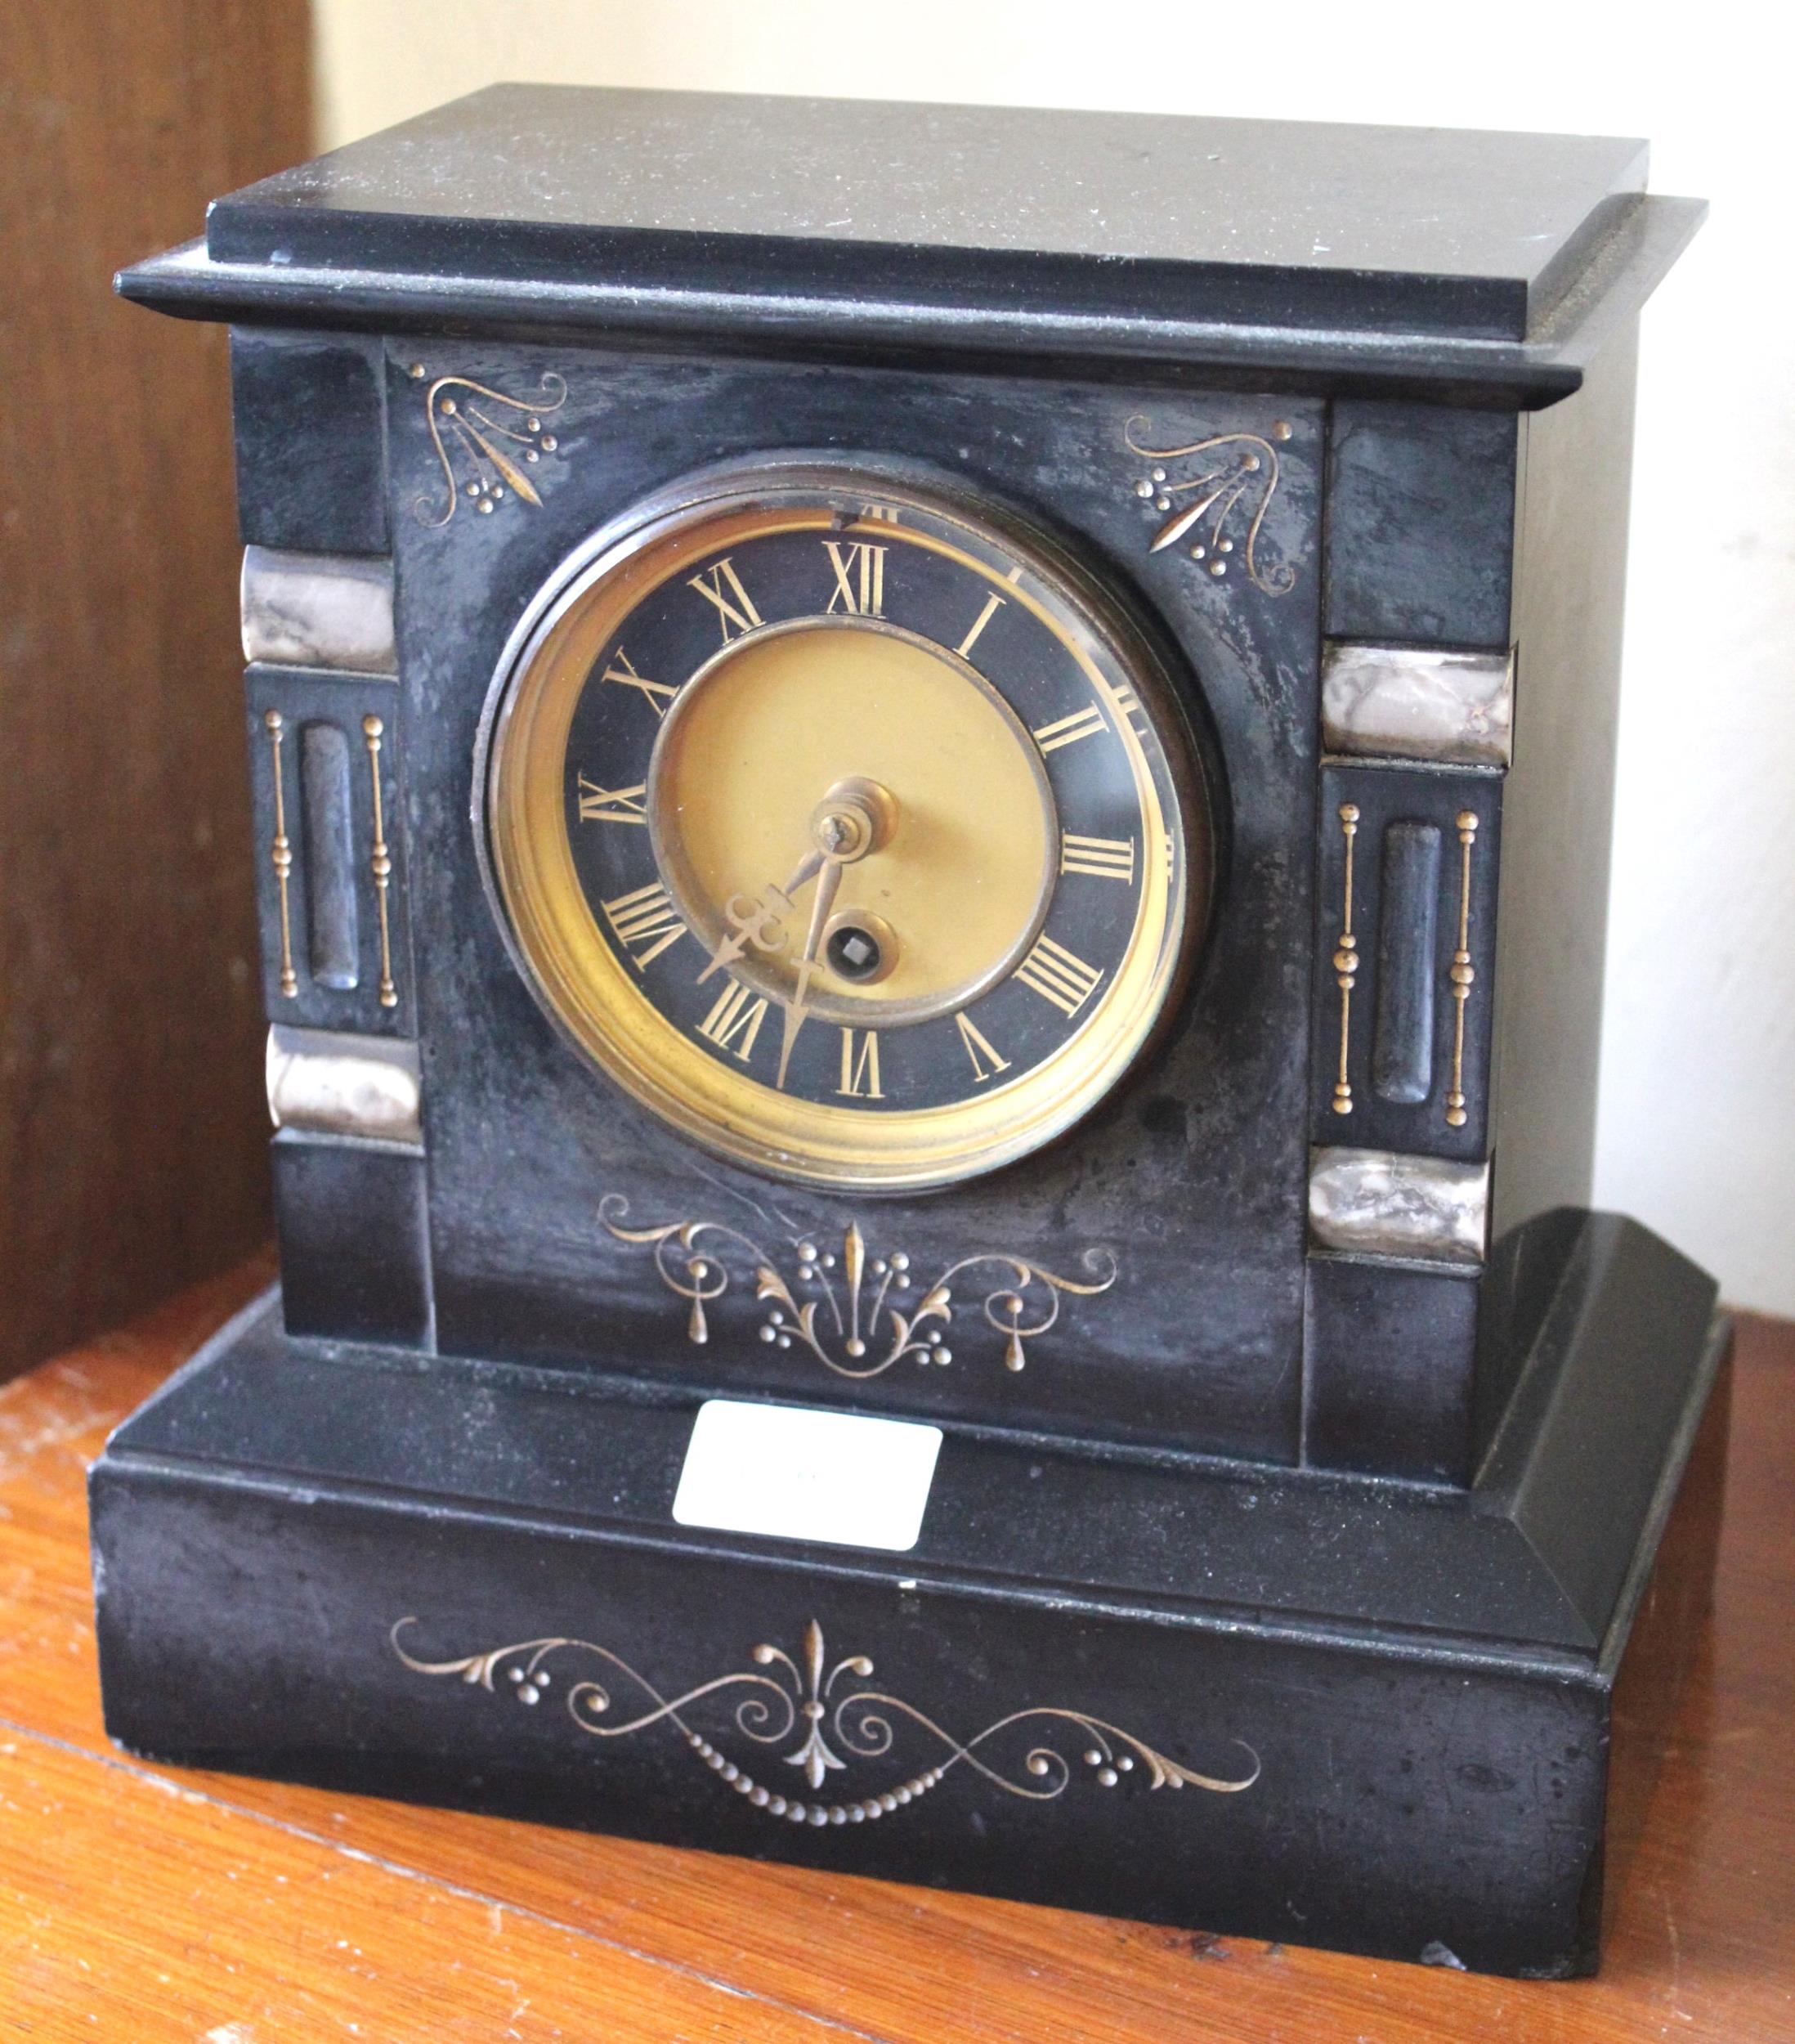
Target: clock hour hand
{"type": "Point", "coordinates": [752, 921]}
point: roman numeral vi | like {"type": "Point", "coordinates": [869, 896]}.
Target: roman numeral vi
{"type": "Point", "coordinates": [860, 1068]}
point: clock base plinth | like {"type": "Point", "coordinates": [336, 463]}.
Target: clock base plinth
{"type": "Point", "coordinates": [1272, 1702]}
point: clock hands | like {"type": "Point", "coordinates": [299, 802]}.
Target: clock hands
{"type": "Point", "coordinates": [854, 818]}
{"type": "Point", "coordinates": [795, 1011]}
{"type": "Point", "coordinates": [752, 920]}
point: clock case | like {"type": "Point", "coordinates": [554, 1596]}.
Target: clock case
{"type": "Point", "coordinates": [1353, 1478]}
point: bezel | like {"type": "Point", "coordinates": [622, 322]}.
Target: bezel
{"type": "Point", "coordinates": [604, 1012]}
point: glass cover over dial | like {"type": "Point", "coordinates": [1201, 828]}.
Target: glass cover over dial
{"type": "Point", "coordinates": [836, 824]}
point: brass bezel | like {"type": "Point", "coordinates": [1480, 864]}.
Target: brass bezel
{"type": "Point", "coordinates": [604, 1011]}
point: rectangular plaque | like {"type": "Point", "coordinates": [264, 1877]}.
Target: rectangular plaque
{"type": "Point", "coordinates": [797, 1474]}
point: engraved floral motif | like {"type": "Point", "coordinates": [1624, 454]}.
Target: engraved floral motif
{"type": "Point", "coordinates": [778, 1700]}
{"type": "Point", "coordinates": [857, 1313]}
{"type": "Point", "coordinates": [487, 443]}
{"type": "Point", "coordinates": [1234, 472]}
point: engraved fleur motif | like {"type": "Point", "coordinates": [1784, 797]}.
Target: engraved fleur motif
{"type": "Point", "coordinates": [1234, 474]}
{"type": "Point", "coordinates": [857, 1313]}
{"type": "Point", "coordinates": [489, 446]}
{"type": "Point", "coordinates": [781, 1698]}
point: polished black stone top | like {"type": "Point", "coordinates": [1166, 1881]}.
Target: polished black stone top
{"type": "Point", "coordinates": [856, 226]}
{"type": "Point", "coordinates": [1430, 229]}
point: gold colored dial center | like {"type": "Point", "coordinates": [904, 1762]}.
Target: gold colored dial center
{"type": "Point", "coordinates": [853, 759]}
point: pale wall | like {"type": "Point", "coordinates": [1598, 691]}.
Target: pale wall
{"type": "Point", "coordinates": [1698, 1106]}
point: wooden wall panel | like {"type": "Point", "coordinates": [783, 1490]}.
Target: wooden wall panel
{"type": "Point", "coordinates": [133, 1139]}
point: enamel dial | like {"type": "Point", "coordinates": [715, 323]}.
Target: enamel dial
{"type": "Point", "coordinates": [841, 825]}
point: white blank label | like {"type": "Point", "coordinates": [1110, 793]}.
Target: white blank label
{"type": "Point", "coordinates": [798, 1474]}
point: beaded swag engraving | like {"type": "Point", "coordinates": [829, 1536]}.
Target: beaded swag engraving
{"type": "Point", "coordinates": [778, 1700]}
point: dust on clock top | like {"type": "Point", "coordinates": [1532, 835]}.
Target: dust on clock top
{"type": "Point", "coordinates": [1427, 232]}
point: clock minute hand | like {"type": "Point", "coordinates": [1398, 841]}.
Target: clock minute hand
{"type": "Point", "coordinates": [795, 1011]}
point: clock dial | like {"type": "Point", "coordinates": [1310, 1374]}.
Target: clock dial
{"type": "Point", "coordinates": [840, 827]}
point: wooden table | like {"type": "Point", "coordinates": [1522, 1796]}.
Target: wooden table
{"type": "Point", "coordinates": [140, 1902]}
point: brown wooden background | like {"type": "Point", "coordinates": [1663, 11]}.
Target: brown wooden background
{"type": "Point", "coordinates": [132, 1138]}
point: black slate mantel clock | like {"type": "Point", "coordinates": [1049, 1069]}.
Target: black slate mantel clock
{"type": "Point", "coordinates": [932, 793]}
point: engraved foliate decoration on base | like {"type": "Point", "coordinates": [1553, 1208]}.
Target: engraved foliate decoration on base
{"type": "Point", "coordinates": [859, 1301]}
{"type": "Point", "coordinates": [1224, 475]}
{"type": "Point", "coordinates": [799, 1702]}
{"type": "Point", "coordinates": [490, 445]}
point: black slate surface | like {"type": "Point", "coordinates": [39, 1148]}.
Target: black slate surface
{"type": "Point", "coordinates": [1472, 233]}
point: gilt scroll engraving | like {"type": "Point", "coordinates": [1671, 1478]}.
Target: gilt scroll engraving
{"type": "Point", "coordinates": [490, 446]}
{"type": "Point", "coordinates": [858, 1312]}
{"type": "Point", "coordinates": [1229, 480]}
{"type": "Point", "coordinates": [838, 1725]}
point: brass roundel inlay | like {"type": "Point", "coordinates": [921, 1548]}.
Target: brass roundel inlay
{"type": "Point", "coordinates": [841, 826]}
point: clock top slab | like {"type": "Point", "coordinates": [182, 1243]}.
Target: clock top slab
{"type": "Point", "coordinates": [1410, 251]}
{"type": "Point", "coordinates": [1462, 233]}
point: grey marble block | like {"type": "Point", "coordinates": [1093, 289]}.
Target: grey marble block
{"type": "Point", "coordinates": [317, 610]}
{"type": "Point", "coordinates": [323, 1083]}
{"type": "Point", "coordinates": [1378, 1203]}
{"type": "Point", "coordinates": [1413, 702]}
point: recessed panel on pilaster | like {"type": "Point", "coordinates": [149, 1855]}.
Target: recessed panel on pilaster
{"type": "Point", "coordinates": [1405, 949]}
{"type": "Point", "coordinates": [331, 890]}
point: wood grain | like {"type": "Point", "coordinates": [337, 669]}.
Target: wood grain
{"type": "Point", "coordinates": [130, 1012]}
{"type": "Point", "coordinates": [165, 1903]}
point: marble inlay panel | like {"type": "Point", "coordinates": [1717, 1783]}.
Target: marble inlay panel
{"type": "Point", "coordinates": [1418, 703]}
{"type": "Point", "coordinates": [317, 610]}
{"type": "Point", "coordinates": [323, 1083]}
{"type": "Point", "coordinates": [1378, 1203]}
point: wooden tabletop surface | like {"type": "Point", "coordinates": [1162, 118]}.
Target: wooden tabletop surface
{"type": "Point", "coordinates": [143, 1903]}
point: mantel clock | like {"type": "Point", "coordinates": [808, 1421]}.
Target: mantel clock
{"type": "Point", "coordinates": [930, 797]}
